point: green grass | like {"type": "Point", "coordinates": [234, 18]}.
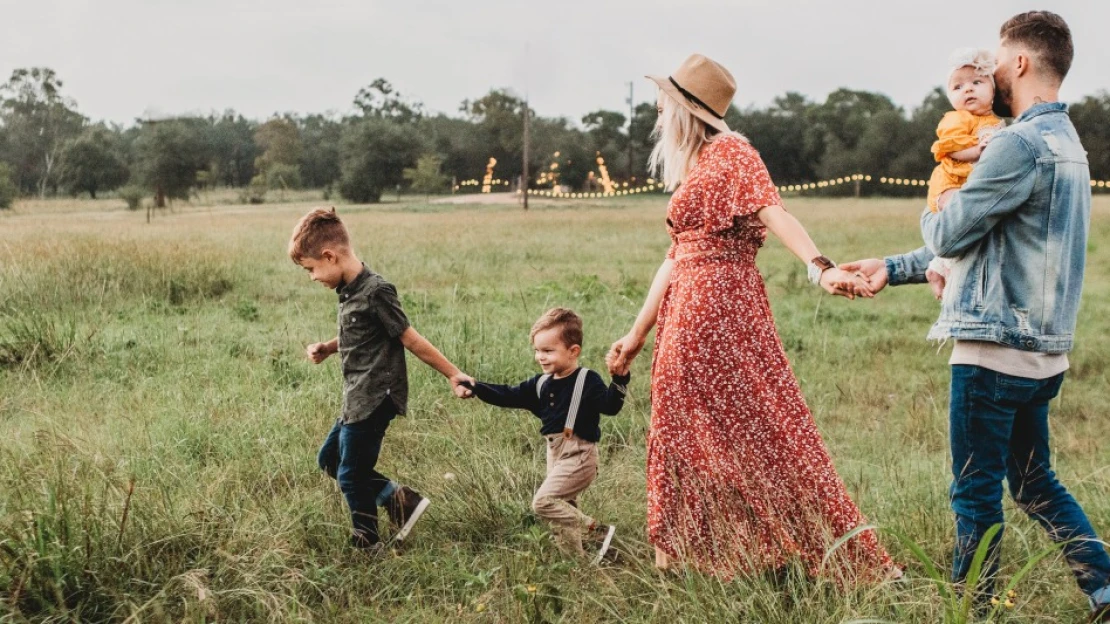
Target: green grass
{"type": "Point", "coordinates": [158, 422]}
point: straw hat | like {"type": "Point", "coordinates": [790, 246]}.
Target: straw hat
{"type": "Point", "coordinates": [703, 87]}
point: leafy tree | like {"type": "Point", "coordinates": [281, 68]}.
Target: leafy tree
{"type": "Point", "coordinates": [576, 157]}
{"type": "Point", "coordinates": [93, 162]}
{"type": "Point", "coordinates": [839, 122]}
{"type": "Point", "coordinates": [374, 154]}
{"type": "Point", "coordinates": [38, 120]}
{"type": "Point", "coordinates": [454, 140]}
{"type": "Point", "coordinates": [319, 162]}
{"type": "Point", "coordinates": [607, 134]}
{"type": "Point", "coordinates": [277, 167]}
{"type": "Point", "coordinates": [498, 120]}
{"type": "Point", "coordinates": [233, 150]}
{"type": "Point", "coordinates": [171, 152]}
{"type": "Point", "coordinates": [1091, 117]}
{"type": "Point", "coordinates": [280, 142]}
{"type": "Point", "coordinates": [640, 129]}
{"type": "Point", "coordinates": [379, 100]}
{"type": "Point", "coordinates": [425, 177]}
{"type": "Point", "coordinates": [8, 190]}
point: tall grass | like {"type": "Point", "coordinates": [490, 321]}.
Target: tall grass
{"type": "Point", "coordinates": [158, 423]}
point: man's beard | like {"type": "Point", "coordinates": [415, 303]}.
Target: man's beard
{"type": "Point", "coordinates": [1001, 105]}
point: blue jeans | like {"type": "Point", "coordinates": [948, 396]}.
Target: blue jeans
{"type": "Point", "coordinates": [349, 455]}
{"type": "Point", "coordinates": [999, 429]}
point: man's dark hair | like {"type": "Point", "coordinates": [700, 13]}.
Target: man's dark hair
{"type": "Point", "coordinates": [1044, 34]}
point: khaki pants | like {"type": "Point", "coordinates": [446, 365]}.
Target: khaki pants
{"type": "Point", "coordinates": [571, 468]}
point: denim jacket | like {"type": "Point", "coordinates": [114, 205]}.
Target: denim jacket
{"type": "Point", "coordinates": [1017, 231]}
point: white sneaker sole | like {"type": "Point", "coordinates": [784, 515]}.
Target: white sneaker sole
{"type": "Point", "coordinates": [416, 513]}
{"type": "Point", "coordinates": [605, 544]}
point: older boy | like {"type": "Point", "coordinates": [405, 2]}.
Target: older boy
{"type": "Point", "coordinates": [373, 335]}
{"type": "Point", "coordinates": [568, 400]}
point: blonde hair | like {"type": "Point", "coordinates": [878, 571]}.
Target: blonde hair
{"type": "Point", "coordinates": [679, 137]}
{"type": "Point", "coordinates": [569, 324]}
{"type": "Point", "coordinates": [319, 229]}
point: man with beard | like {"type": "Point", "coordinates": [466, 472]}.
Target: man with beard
{"type": "Point", "coordinates": [1019, 231]}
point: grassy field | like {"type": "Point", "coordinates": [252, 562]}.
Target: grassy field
{"type": "Point", "coordinates": [158, 422]}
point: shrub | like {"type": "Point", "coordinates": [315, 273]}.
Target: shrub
{"type": "Point", "coordinates": [282, 177]}
{"type": "Point", "coordinates": [133, 195]}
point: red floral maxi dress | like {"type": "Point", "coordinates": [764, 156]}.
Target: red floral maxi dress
{"type": "Point", "coordinates": [738, 476]}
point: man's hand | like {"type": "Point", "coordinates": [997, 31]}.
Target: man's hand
{"type": "Point", "coordinates": [319, 351]}
{"type": "Point", "coordinates": [463, 385]}
{"type": "Point", "coordinates": [837, 281]}
{"type": "Point", "coordinates": [871, 269]}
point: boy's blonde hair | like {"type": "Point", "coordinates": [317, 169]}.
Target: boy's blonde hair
{"type": "Point", "coordinates": [570, 325]}
{"type": "Point", "coordinates": [318, 230]}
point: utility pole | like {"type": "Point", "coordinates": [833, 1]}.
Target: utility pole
{"type": "Point", "coordinates": [524, 165]}
{"type": "Point", "coordinates": [631, 115]}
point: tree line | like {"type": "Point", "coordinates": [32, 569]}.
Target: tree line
{"type": "Point", "coordinates": [389, 141]}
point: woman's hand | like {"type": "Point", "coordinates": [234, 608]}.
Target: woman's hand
{"type": "Point", "coordinates": [620, 356]}
{"type": "Point", "coordinates": [837, 281]}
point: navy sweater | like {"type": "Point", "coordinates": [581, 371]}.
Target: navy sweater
{"type": "Point", "coordinates": [552, 408]}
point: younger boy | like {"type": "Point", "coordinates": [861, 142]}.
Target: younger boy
{"type": "Point", "coordinates": [373, 335]}
{"type": "Point", "coordinates": [568, 400]}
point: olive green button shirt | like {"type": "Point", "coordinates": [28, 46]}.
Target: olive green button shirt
{"type": "Point", "coordinates": [371, 322]}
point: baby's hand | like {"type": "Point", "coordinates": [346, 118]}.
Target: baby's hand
{"type": "Point", "coordinates": [945, 197]}
{"type": "Point", "coordinates": [936, 283]}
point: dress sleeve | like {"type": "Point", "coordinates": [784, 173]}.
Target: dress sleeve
{"type": "Point", "coordinates": [745, 186]}
{"type": "Point", "coordinates": [955, 132]}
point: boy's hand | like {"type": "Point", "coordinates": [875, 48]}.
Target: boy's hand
{"type": "Point", "coordinates": [614, 368]}
{"type": "Point", "coordinates": [463, 385]}
{"type": "Point", "coordinates": [319, 351]}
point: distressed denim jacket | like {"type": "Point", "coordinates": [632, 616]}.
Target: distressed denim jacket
{"type": "Point", "coordinates": [1018, 233]}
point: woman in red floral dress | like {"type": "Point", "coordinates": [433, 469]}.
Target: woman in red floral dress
{"type": "Point", "coordinates": [739, 479]}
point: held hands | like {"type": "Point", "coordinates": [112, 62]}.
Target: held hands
{"type": "Point", "coordinates": [620, 356]}
{"type": "Point", "coordinates": [838, 281]}
{"type": "Point", "coordinates": [462, 385]}
{"type": "Point", "coordinates": [872, 269]}
{"type": "Point", "coordinates": [319, 351]}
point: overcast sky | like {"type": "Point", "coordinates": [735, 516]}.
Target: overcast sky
{"type": "Point", "coordinates": [120, 59]}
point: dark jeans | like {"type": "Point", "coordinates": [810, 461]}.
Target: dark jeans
{"type": "Point", "coordinates": [349, 455]}
{"type": "Point", "coordinates": [999, 429]}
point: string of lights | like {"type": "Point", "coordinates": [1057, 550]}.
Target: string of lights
{"type": "Point", "coordinates": [653, 186]}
